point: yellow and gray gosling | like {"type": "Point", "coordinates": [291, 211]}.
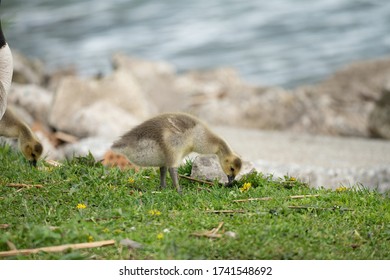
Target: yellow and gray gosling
{"type": "Point", "coordinates": [164, 141]}
{"type": "Point", "coordinates": [6, 71]}
{"type": "Point", "coordinates": [11, 126]}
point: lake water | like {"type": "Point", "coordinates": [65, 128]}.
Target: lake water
{"type": "Point", "coordinates": [279, 42]}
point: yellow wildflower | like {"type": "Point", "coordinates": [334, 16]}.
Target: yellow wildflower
{"type": "Point", "coordinates": [106, 230]}
{"type": "Point", "coordinates": [341, 189]}
{"type": "Point", "coordinates": [81, 206]}
{"type": "Point", "coordinates": [160, 236]}
{"type": "Point", "coordinates": [90, 238]}
{"type": "Point", "coordinates": [131, 180]}
{"type": "Point", "coordinates": [154, 212]}
{"type": "Point", "coordinates": [245, 187]}
{"type": "Point", "coordinates": [118, 231]}
{"type": "Point", "coordinates": [292, 179]}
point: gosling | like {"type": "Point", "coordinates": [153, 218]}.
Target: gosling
{"type": "Point", "coordinates": [11, 126]}
{"type": "Point", "coordinates": [164, 141]}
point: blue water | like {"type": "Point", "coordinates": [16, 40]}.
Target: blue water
{"type": "Point", "coordinates": [278, 42]}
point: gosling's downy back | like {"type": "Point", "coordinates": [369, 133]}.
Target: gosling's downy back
{"type": "Point", "coordinates": [157, 129]}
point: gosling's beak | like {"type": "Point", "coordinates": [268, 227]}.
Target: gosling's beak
{"type": "Point", "coordinates": [33, 162]}
{"type": "Point", "coordinates": [230, 178]}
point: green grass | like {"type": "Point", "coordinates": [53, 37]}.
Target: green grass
{"type": "Point", "coordinates": [119, 203]}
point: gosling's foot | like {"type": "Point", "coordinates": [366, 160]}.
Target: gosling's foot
{"type": "Point", "coordinates": [175, 178]}
{"type": "Point", "coordinates": [163, 176]}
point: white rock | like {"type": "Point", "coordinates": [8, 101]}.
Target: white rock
{"type": "Point", "coordinates": [102, 119]}
{"type": "Point", "coordinates": [207, 167]}
{"type": "Point", "coordinates": [97, 146]}
{"type": "Point", "coordinates": [231, 234]}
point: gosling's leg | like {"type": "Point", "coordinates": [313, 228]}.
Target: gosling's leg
{"type": "Point", "coordinates": [163, 176]}
{"type": "Point", "coordinates": [175, 178]}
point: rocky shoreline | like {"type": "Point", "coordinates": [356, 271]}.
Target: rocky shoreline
{"type": "Point", "coordinates": [72, 115]}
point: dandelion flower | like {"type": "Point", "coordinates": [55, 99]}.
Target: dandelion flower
{"type": "Point", "coordinates": [341, 189]}
{"type": "Point", "coordinates": [154, 212]}
{"type": "Point", "coordinates": [81, 206]}
{"type": "Point", "coordinates": [90, 238]}
{"type": "Point", "coordinates": [106, 230]}
{"type": "Point", "coordinates": [292, 179]}
{"type": "Point", "coordinates": [131, 180]}
{"type": "Point", "coordinates": [160, 236]}
{"type": "Point", "coordinates": [245, 187]}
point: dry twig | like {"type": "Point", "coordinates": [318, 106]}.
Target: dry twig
{"type": "Point", "coordinates": [203, 189]}
{"type": "Point", "coordinates": [196, 180]}
{"type": "Point", "coordinates": [53, 163]}
{"type": "Point", "coordinates": [303, 196]}
{"type": "Point", "coordinates": [270, 198]}
{"type": "Point", "coordinates": [225, 211]}
{"type": "Point", "coordinates": [60, 248]}
{"type": "Point", "coordinates": [16, 185]}
{"type": "Point", "coordinates": [318, 208]}
{"type": "Point", "coordinates": [211, 233]}
{"type": "Point", "coordinates": [253, 199]}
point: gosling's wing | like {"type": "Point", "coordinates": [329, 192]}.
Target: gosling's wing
{"type": "Point", "coordinates": [179, 123]}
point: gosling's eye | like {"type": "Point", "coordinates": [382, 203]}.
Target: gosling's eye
{"type": "Point", "coordinates": [231, 169]}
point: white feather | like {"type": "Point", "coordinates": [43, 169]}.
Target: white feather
{"type": "Point", "coordinates": [6, 70]}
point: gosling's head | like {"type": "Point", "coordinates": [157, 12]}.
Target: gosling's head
{"type": "Point", "coordinates": [231, 165]}
{"type": "Point", "coordinates": [32, 150]}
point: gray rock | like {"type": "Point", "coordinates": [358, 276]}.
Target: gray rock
{"type": "Point", "coordinates": [117, 91]}
{"type": "Point", "coordinates": [341, 105]}
{"type": "Point", "coordinates": [208, 93]}
{"type": "Point", "coordinates": [379, 120]}
{"type": "Point", "coordinates": [155, 79]}
{"type": "Point", "coordinates": [207, 167]}
{"type": "Point", "coordinates": [350, 96]}
{"type": "Point", "coordinates": [32, 98]}
{"type": "Point", "coordinates": [27, 70]}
